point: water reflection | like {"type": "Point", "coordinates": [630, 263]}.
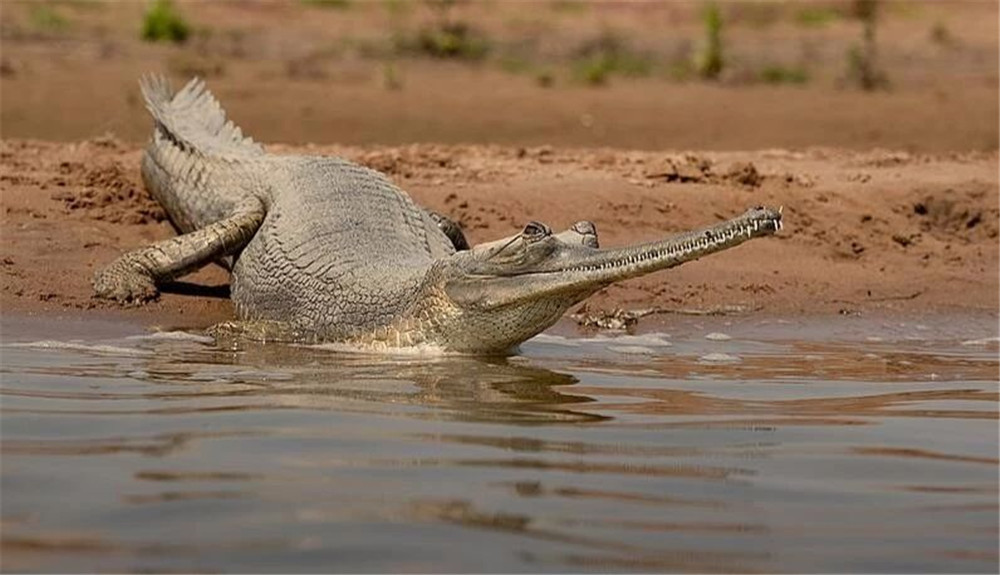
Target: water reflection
{"type": "Point", "coordinates": [279, 376]}
{"type": "Point", "coordinates": [462, 388]}
{"type": "Point", "coordinates": [165, 452]}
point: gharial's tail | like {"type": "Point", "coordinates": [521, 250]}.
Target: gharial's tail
{"type": "Point", "coordinates": [194, 120]}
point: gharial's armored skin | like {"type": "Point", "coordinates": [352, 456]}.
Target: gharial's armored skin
{"type": "Point", "coordinates": [321, 249]}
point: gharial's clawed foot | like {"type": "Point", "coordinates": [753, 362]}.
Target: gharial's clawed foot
{"type": "Point", "coordinates": [125, 284]}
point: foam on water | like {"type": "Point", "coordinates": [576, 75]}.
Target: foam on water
{"type": "Point", "coordinates": [173, 336]}
{"type": "Point", "coordinates": [603, 340]}
{"type": "Point", "coordinates": [84, 347]}
{"type": "Point", "coordinates": [632, 349]}
{"type": "Point", "coordinates": [717, 336]}
{"type": "Point", "coordinates": [982, 341]}
{"type": "Point", "coordinates": [720, 357]}
{"type": "Point", "coordinates": [646, 339]}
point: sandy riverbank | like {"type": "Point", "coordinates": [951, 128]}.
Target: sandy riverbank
{"type": "Point", "coordinates": [864, 231]}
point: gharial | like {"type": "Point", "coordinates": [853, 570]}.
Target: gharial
{"type": "Point", "coordinates": [323, 250]}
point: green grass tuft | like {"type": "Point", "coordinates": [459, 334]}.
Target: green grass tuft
{"type": "Point", "coordinates": [47, 18]}
{"type": "Point", "coordinates": [163, 23]}
{"type": "Point", "coordinates": [862, 60]}
{"type": "Point", "coordinates": [593, 71]}
{"type": "Point", "coordinates": [711, 61]}
{"type": "Point", "coordinates": [608, 54]}
{"type": "Point", "coordinates": [452, 40]}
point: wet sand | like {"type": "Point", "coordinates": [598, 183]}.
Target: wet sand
{"type": "Point", "coordinates": [865, 231]}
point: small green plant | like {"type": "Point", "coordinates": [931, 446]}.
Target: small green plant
{"type": "Point", "coordinates": [862, 61]}
{"type": "Point", "coordinates": [711, 62]}
{"type": "Point", "coordinates": [593, 71]}
{"type": "Point", "coordinates": [596, 60]}
{"type": "Point", "coordinates": [778, 74]}
{"type": "Point", "coordinates": [453, 40]}
{"type": "Point", "coordinates": [445, 38]}
{"type": "Point", "coordinates": [163, 23]}
{"type": "Point", "coordinates": [47, 18]}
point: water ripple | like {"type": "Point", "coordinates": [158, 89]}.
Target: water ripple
{"type": "Point", "coordinates": [644, 452]}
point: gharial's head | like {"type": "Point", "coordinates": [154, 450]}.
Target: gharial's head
{"type": "Point", "coordinates": [506, 291]}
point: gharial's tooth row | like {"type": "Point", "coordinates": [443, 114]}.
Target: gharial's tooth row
{"type": "Point", "coordinates": [692, 245]}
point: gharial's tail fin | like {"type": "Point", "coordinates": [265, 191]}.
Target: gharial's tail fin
{"type": "Point", "coordinates": [193, 119]}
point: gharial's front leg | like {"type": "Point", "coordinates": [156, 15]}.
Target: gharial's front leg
{"type": "Point", "coordinates": [134, 277]}
{"type": "Point", "coordinates": [451, 229]}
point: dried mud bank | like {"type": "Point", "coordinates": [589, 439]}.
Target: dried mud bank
{"type": "Point", "coordinates": [872, 231]}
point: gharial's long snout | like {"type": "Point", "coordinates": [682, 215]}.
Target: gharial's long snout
{"type": "Point", "coordinates": [571, 271]}
{"type": "Point", "coordinates": [611, 265]}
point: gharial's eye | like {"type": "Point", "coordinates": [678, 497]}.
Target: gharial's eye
{"type": "Point", "coordinates": [535, 231]}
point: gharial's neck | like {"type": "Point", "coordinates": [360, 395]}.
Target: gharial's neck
{"type": "Point", "coordinates": [420, 322]}
{"type": "Point", "coordinates": [436, 324]}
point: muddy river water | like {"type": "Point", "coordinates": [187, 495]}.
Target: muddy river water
{"type": "Point", "coordinates": [705, 444]}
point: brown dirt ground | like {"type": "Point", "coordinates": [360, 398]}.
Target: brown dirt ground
{"type": "Point", "coordinates": [865, 231]}
{"type": "Point", "coordinates": [290, 72]}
